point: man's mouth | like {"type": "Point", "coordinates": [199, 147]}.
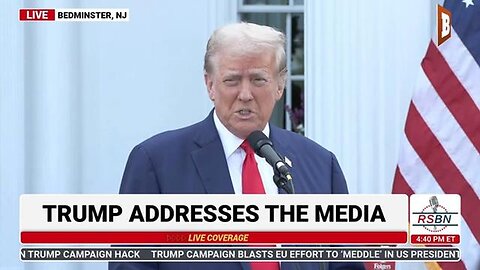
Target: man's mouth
{"type": "Point", "coordinates": [244, 112]}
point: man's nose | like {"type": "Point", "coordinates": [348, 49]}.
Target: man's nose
{"type": "Point", "coordinates": [245, 91]}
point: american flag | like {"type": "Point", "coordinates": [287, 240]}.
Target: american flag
{"type": "Point", "coordinates": [441, 149]}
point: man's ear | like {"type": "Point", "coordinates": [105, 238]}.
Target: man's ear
{"type": "Point", "coordinates": [281, 86]}
{"type": "Point", "coordinates": [209, 84]}
{"type": "Point", "coordinates": [278, 94]}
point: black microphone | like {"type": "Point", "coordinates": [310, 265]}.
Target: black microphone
{"type": "Point", "coordinates": [263, 147]}
{"type": "Point", "coordinates": [434, 203]}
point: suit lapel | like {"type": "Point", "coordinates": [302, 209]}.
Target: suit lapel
{"type": "Point", "coordinates": [209, 159]}
{"type": "Point", "coordinates": [212, 168]}
{"type": "Point", "coordinates": [282, 145]}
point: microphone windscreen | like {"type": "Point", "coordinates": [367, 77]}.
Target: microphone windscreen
{"type": "Point", "coordinates": [433, 201]}
{"type": "Point", "coordinates": [257, 139]}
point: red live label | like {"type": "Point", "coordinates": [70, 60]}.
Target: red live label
{"type": "Point", "coordinates": [35, 14]}
{"type": "Point", "coordinates": [434, 239]}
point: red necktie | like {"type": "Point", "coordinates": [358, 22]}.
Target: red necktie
{"type": "Point", "coordinates": [252, 184]}
{"type": "Point", "coordinates": [251, 180]}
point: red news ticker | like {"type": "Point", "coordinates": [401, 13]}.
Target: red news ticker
{"type": "Point", "coordinates": [36, 14]}
{"type": "Point", "coordinates": [33, 237]}
{"type": "Point", "coordinates": [435, 239]}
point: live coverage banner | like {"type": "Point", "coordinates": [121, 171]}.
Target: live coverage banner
{"type": "Point", "coordinates": [214, 219]}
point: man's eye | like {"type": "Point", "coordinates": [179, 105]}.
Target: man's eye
{"type": "Point", "coordinates": [230, 81]}
{"type": "Point", "coordinates": [259, 81]}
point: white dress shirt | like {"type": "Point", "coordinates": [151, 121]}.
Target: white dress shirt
{"type": "Point", "coordinates": [235, 156]}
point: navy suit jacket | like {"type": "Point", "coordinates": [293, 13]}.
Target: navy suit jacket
{"type": "Point", "coordinates": [191, 160]}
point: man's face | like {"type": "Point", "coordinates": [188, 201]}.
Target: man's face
{"type": "Point", "coordinates": [244, 89]}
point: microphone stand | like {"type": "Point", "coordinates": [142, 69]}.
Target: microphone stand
{"type": "Point", "coordinates": [282, 182]}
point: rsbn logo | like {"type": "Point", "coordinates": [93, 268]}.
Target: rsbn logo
{"type": "Point", "coordinates": [434, 217]}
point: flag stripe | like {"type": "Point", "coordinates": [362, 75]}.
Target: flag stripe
{"type": "Point", "coordinates": [452, 93]}
{"type": "Point", "coordinates": [462, 65]}
{"type": "Point", "coordinates": [469, 246]}
{"type": "Point", "coordinates": [467, 24]}
{"type": "Point", "coordinates": [452, 265]}
{"type": "Point", "coordinates": [441, 166]}
{"type": "Point", "coordinates": [442, 124]}
{"type": "Point", "coordinates": [416, 174]}
{"type": "Point", "coordinates": [400, 186]}
{"type": "Point", "coordinates": [419, 178]}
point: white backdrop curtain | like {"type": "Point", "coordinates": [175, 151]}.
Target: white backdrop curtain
{"type": "Point", "coordinates": [363, 58]}
{"type": "Point", "coordinates": [362, 61]}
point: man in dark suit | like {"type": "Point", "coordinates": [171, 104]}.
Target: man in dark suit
{"type": "Point", "coordinates": [245, 71]}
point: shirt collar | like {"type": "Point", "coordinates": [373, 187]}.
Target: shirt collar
{"type": "Point", "coordinates": [230, 142]}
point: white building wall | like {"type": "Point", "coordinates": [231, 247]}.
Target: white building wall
{"type": "Point", "coordinates": [76, 97]}
{"type": "Point", "coordinates": [363, 58]}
